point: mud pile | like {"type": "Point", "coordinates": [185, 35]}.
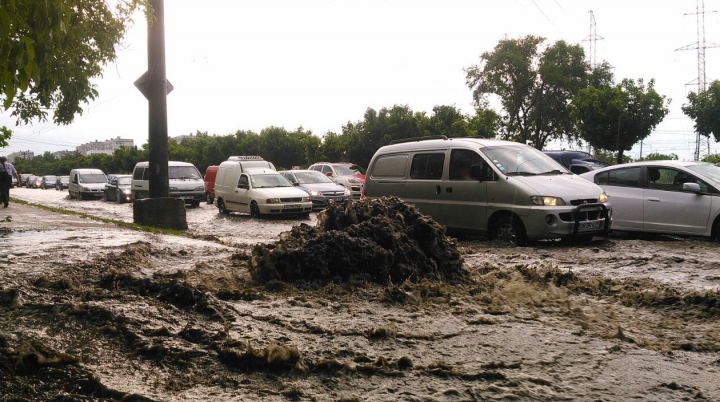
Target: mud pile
{"type": "Point", "coordinates": [382, 240]}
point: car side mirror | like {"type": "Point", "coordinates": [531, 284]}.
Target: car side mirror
{"type": "Point", "coordinates": [694, 187]}
{"type": "Point", "coordinates": [245, 186]}
{"type": "Point", "coordinates": [328, 174]}
{"type": "Point", "coordinates": [296, 184]}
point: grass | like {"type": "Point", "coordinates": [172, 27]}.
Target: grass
{"type": "Point", "coordinates": [133, 226]}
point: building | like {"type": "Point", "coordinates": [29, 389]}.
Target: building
{"type": "Point", "coordinates": [106, 147]}
{"type": "Point", "coordinates": [20, 155]}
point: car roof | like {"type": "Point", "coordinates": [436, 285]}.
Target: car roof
{"type": "Point", "coordinates": [444, 143]}
{"type": "Point", "coordinates": [260, 170]}
{"type": "Point", "coordinates": [670, 163]}
{"type": "Point", "coordinates": [301, 171]}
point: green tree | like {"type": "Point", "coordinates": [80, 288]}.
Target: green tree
{"type": "Point", "coordinates": [534, 88]}
{"type": "Point", "coordinates": [656, 156]}
{"type": "Point", "coordinates": [704, 108]}
{"type": "Point", "coordinates": [50, 50]}
{"type": "Point", "coordinates": [615, 118]}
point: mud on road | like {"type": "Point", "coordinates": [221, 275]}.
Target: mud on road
{"type": "Point", "coordinates": [93, 311]}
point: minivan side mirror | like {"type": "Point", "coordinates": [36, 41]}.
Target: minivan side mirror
{"type": "Point", "coordinates": [242, 185]}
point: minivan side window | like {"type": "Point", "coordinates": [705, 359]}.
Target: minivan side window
{"type": "Point", "coordinates": [629, 177]}
{"type": "Point", "coordinates": [138, 173]}
{"type": "Point", "coordinates": [390, 166]}
{"type": "Point", "coordinates": [427, 166]}
{"type": "Point", "coordinates": [461, 160]}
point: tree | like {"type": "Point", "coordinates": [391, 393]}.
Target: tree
{"type": "Point", "coordinates": [534, 88]}
{"type": "Point", "coordinates": [656, 156]}
{"type": "Point", "coordinates": [615, 118]}
{"type": "Point", "coordinates": [704, 108]}
{"type": "Point", "coordinates": [51, 49]}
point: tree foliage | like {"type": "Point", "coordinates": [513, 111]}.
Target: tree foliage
{"type": "Point", "coordinates": [656, 156]}
{"type": "Point", "coordinates": [615, 118]}
{"type": "Point", "coordinates": [704, 108]}
{"type": "Point", "coordinates": [287, 149]}
{"type": "Point", "coordinates": [534, 87]}
{"type": "Point", "coordinates": [51, 49]}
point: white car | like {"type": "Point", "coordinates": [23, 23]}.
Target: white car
{"type": "Point", "coordinates": [670, 197]}
{"type": "Point", "coordinates": [260, 191]}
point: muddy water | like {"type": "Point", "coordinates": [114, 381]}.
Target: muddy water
{"type": "Point", "coordinates": [118, 314]}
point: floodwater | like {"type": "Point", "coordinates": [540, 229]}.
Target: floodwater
{"type": "Point", "coordinates": [121, 314]}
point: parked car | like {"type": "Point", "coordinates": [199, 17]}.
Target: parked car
{"type": "Point", "coordinates": [350, 175]}
{"type": "Point", "coordinates": [118, 189]}
{"type": "Point", "coordinates": [320, 187]}
{"type": "Point", "coordinates": [30, 181]}
{"type": "Point", "coordinates": [258, 191]}
{"type": "Point", "coordinates": [670, 197]}
{"type": "Point", "coordinates": [210, 174]}
{"type": "Point", "coordinates": [48, 182]}
{"type": "Point", "coordinates": [509, 191]}
{"type": "Point", "coordinates": [184, 180]}
{"type": "Point", "coordinates": [37, 182]}
{"type": "Point", "coordinates": [577, 162]}
{"type": "Point", "coordinates": [62, 182]}
{"type": "Point", "coordinates": [23, 179]}
{"type": "Point", "coordinates": [87, 183]}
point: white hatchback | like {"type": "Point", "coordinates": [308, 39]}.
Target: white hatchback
{"type": "Point", "coordinates": [669, 197]}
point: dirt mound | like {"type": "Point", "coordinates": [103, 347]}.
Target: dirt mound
{"type": "Point", "coordinates": [382, 240]}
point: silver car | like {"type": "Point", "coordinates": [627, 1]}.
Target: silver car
{"type": "Point", "coordinates": [669, 197]}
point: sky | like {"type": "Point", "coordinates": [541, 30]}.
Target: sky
{"type": "Point", "coordinates": [320, 64]}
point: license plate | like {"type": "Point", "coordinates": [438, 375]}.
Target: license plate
{"type": "Point", "coordinates": [590, 225]}
{"type": "Point", "coordinates": [292, 206]}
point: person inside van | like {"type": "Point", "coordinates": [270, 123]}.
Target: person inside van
{"type": "Point", "coordinates": [461, 162]}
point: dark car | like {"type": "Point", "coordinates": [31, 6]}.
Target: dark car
{"type": "Point", "coordinates": [118, 189]}
{"type": "Point", "coordinates": [577, 162]}
{"type": "Point", "coordinates": [62, 183]}
{"type": "Point", "coordinates": [320, 187]}
{"type": "Point", "coordinates": [47, 182]}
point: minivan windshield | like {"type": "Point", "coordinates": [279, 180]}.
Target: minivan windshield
{"type": "Point", "coordinates": [183, 173]}
{"type": "Point", "coordinates": [522, 161]}
{"type": "Point", "coordinates": [93, 178]}
{"type": "Point", "coordinates": [269, 181]}
{"type": "Point", "coordinates": [124, 181]}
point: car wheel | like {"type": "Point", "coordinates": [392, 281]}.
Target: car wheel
{"type": "Point", "coordinates": [255, 210]}
{"type": "Point", "coordinates": [221, 207]}
{"type": "Point", "coordinates": [209, 198]}
{"type": "Point", "coordinates": [118, 197]}
{"type": "Point", "coordinates": [509, 230]}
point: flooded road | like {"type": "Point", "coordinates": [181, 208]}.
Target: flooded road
{"type": "Point", "coordinates": [121, 314]}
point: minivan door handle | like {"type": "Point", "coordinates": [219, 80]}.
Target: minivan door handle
{"type": "Point", "coordinates": [437, 190]}
{"type": "Point", "coordinates": [653, 199]}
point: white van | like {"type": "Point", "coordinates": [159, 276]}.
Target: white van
{"type": "Point", "coordinates": [251, 185]}
{"type": "Point", "coordinates": [184, 181]}
{"type": "Point", "coordinates": [506, 190]}
{"type": "Point", "coordinates": [87, 183]}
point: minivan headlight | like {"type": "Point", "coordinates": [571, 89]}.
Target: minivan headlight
{"type": "Point", "coordinates": [603, 198]}
{"type": "Point", "coordinates": [272, 201]}
{"type": "Point", "coordinates": [199, 188]}
{"type": "Point", "coordinates": [547, 201]}
{"type": "Point", "coordinates": [315, 193]}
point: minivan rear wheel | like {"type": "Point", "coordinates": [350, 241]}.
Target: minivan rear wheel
{"type": "Point", "coordinates": [221, 207]}
{"type": "Point", "coordinates": [509, 229]}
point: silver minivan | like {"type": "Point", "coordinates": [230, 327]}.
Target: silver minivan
{"type": "Point", "coordinates": [509, 191]}
{"type": "Point", "coordinates": [184, 182]}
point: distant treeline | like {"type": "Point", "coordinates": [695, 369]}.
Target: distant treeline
{"type": "Point", "coordinates": [286, 149]}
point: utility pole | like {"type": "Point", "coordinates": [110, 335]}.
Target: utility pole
{"type": "Point", "coordinates": [157, 101]}
{"type": "Point", "coordinates": [700, 140]}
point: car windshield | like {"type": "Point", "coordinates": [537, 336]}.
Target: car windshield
{"type": "Point", "coordinates": [124, 181]}
{"type": "Point", "coordinates": [183, 173]}
{"type": "Point", "coordinates": [522, 161]}
{"type": "Point", "coordinates": [312, 177]}
{"type": "Point", "coordinates": [49, 178]}
{"type": "Point", "coordinates": [269, 180]}
{"type": "Point", "coordinates": [65, 179]}
{"type": "Point", "coordinates": [708, 170]}
{"type": "Point", "coordinates": [93, 178]}
{"type": "Point", "coordinates": [343, 170]}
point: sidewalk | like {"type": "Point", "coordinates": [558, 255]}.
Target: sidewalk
{"type": "Point", "coordinates": [21, 217]}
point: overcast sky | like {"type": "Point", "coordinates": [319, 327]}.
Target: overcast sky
{"type": "Point", "coordinates": [319, 64]}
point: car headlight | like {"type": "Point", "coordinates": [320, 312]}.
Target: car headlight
{"type": "Point", "coordinates": [603, 198]}
{"type": "Point", "coordinates": [86, 188]}
{"type": "Point", "coordinates": [347, 191]}
{"type": "Point", "coordinates": [200, 188]}
{"type": "Point", "coordinates": [354, 181]}
{"type": "Point", "coordinates": [547, 201]}
{"type": "Point", "coordinates": [172, 189]}
{"type": "Point", "coordinates": [315, 193]}
{"type": "Point", "coordinates": [306, 199]}
{"type": "Point", "coordinates": [272, 201]}
{"type": "Point", "coordinates": [127, 191]}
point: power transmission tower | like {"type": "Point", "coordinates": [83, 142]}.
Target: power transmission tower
{"type": "Point", "coordinates": [701, 142]}
{"type": "Point", "coordinates": [592, 38]}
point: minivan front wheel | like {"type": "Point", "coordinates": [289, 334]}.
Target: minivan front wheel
{"type": "Point", "coordinates": [254, 210]}
{"type": "Point", "coordinates": [509, 229]}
